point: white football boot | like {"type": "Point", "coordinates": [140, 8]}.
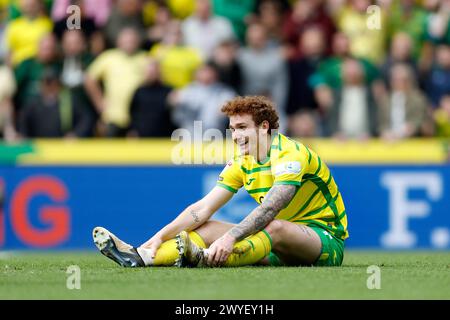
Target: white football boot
{"type": "Point", "coordinates": [115, 249]}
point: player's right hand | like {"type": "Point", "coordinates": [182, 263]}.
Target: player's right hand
{"type": "Point", "coordinates": [153, 245]}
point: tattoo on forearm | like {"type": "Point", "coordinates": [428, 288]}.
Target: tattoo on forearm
{"type": "Point", "coordinates": [195, 216]}
{"type": "Point", "coordinates": [276, 199]}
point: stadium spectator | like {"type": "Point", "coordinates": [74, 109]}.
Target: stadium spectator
{"type": "Point", "coordinates": [181, 9]}
{"type": "Point", "coordinates": [21, 43]}
{"type": "Point", "coordinates": [402, 112]}
{"type": "Point", "coordinates": [87, 24]}
{"type": "Point", "coordinates": [201, 101]}
{"type": "Point", "coordinates": [329, 71]}
{"type": "Point", "coordinates": [98, 10]}
{"type": "Point", "coordinates": [271, 15]}
{"type": "Point", "coordinates": [29, 73]}
{"type": "Point", "coordinates": [122, 71]}
{"type": "Point", "coordinates": [437, 30]}
{"type": "Point", "coordinates": [353, 114]}
{"type": "Point", "coordinates": [367, 43]}
{"type": "Point", "coordinates": [327, 80]}
{"type": "Point", "coordinates": [264, 72]}
{"type": "Point", "coordinates": [150, 113]}
{"type": "Point", "coordinates": [304, 15]}
{"type": "Point", "coordinates": [438, 23]}
{"type": "Point", "coordinates": [301, 95]}
{"type": "Point", "coordinates": [400, 52]}
{"type": "Point", "coordinates": [126, 13]}
{"type": "Point", "coordinates": [7, 90]}
{"type": "Point", "coordinates": [239, 13]}
{"type": "Point", "coordinates": [3, 24]}
{"type": "Point", "coordinates": [204, 31]}
{"type": "Point", "coordinates": [417, 33]}
{"type": "Point", "coordinates": [437, 83]}
{"type": "Point", "coordinates": [409, 17]}
{"type": "Point", "coordinates": [98, 44]}
{"type": "Point", "coordinates": [53, 114]}
{"type": "Point", "coordinates": [442, 117]}
{"type": "Point", "coordinates": [76, 61]}
{"type": "Point", "coordinates": [4, 7]}
{"type": "Point", "coordinates": [15, 8]}
{"type": "Point", "coordinates": [91, 21]}
{"type": "Point", "coordinates": [160, 26]}
{"type": "Point", "coordinates": [178, 62]}
{"type": "Point", "coordinates": [304, 124]}
{"type": "Point", "coordinates": [224, 60]}
{"type": "Point", "coordinates": [76, 58]}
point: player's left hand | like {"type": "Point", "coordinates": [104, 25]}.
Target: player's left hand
{"type": "Point", "coordinates": [220, 250]}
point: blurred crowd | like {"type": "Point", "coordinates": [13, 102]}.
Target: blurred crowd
{"type": "Point", "coordinates": [142, 68]}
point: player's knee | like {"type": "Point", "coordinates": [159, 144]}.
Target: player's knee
{"type": "Point", "coordinates": [274, 229]}
{"type": "Point", "coordinates": [206, 224]}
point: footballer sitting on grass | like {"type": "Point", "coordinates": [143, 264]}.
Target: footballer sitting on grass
{"type": "Point", "coordinates": [300, 220]}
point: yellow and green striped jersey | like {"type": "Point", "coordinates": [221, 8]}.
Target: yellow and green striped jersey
{"type": "Point", "coordinates": [317, 200]}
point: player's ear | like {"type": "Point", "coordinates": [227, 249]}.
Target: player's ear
{"type": "Point", "coordinates": [265, 125]}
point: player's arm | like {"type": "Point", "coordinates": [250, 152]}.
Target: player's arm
{"type": "Point", "coordinates": [276, 199]}
{"type": "Point", "coordinates": [192, 217]}
{"type": "Point", "coordinates": [94, 91]}
{"type": "Point", "coordinates": [197, 213]}
{"type": "Point", "coordinates": [95, 73]}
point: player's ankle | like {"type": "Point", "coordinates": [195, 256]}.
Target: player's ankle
{"type": "Point", "coordinates": [145, 255]}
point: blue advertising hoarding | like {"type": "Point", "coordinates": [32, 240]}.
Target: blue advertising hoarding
{"type": "Point", "coordinates": [49, 207]}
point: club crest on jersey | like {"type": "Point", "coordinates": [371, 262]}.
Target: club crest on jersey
{"type": "Point", "coordinates": [292, 167]}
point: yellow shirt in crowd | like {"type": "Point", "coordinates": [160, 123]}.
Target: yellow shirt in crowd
{"type": "Point", "coordinates": [23, 36]}
{"type": "Point", "coordinates": [121, 75]}
{"type": "Point", "coordinates": [365, 42]}
{"type": "Point", "coordinates": [178, 64]}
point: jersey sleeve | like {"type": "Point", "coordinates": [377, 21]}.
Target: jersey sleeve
{"type": "Point", "coordinates": [288, 168]}
{"type": "Point", "coordinates": [231, 177]}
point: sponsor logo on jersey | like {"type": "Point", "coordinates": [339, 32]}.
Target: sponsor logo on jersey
{"type": "Point", "coordinates": [292, 167]}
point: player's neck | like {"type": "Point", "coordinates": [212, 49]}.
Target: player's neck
{"type": "Point", "coordinates": [263, 149]}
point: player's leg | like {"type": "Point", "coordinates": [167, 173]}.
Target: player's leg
{"type": "Point", "coordinates": [168, 254]}
{"type": "Point", "coordinates": [128, 256]}
{"type": "Point", "coordinates": [297, 244]}
{"type": "Point", "coordinates": [255, 248]}
{"type": "Point", "coordinates": [249, 251]}
{"type": "Point", "coordinates": [280, 240]}
{"type": "Point", "coordinates": [116, 249]}
{"type": "Point", "coordinates": [294, 244]}
{"type": "Point", "coordinates": [252, 250]}
{"type": "Point", "coordinates": [212, 230]}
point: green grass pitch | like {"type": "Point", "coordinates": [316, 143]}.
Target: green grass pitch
{"type": "Point", "coordinates": [404, 275]}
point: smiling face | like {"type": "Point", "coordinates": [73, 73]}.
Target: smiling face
{"type": "Point", "coordinates": [253, 121]}
{"type": "Point", "coordinates": [247, 135]}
